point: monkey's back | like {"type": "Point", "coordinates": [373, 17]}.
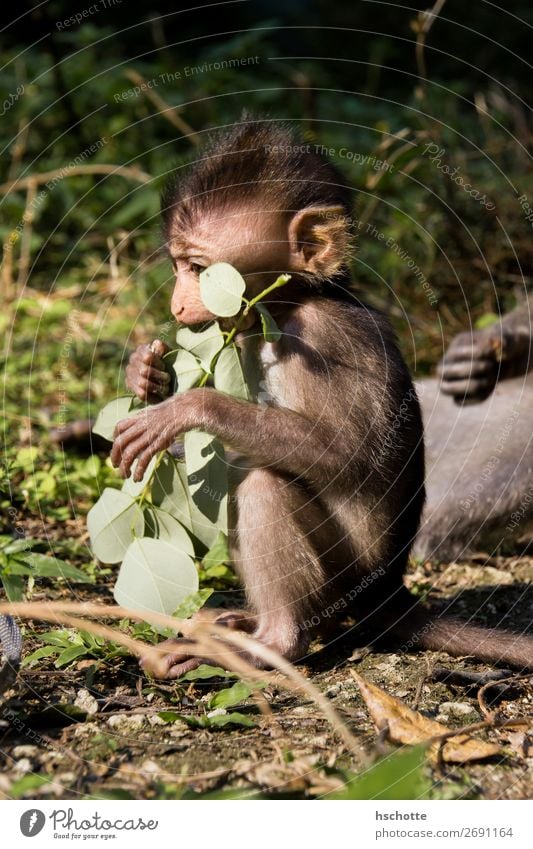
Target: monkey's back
{"type": "Point", "coordinates": [337, 364]}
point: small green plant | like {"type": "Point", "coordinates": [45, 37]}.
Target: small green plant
{"type": "Point", "coordinates": [399, 775]}
{"type": "Point", "coordinates": [19, 566]}
{"type": "Point", "coordinates": [68, 645]}
{"type": "Point", "coordinates": [156, 526]}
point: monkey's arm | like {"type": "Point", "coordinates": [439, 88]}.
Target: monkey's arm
{"type": "Point", "coordinates": [267, 435]}
{"type": "Point", "coordinates": [476, 360]}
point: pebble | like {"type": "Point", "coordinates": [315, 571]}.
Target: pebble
{"type": "Point", "coordinates": [457, 710]}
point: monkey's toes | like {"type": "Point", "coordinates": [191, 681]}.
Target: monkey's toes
{"type": "Point", "coordinates": [171, 664]}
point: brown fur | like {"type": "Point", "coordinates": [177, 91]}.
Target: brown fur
{"type": "Point", "coordinates": [329, 465]}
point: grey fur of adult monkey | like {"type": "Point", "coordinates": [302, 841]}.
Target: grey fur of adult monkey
{"type": "Point", "coordinates": [479, 441]}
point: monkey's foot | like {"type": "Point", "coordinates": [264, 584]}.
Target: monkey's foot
{"type": "Point", "coordinates": [172, 663]}
{"type": "Point", "coordinates": [178, 660]}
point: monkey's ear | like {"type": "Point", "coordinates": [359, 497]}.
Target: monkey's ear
{"type": "Point", "coordinates": [318, 239]}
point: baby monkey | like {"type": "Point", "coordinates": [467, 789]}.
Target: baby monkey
{"type": "Point", "coordinates": [329, 467]}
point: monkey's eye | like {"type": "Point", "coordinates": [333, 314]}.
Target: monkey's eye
{"type": "Point", "coordinates": [196, 268]}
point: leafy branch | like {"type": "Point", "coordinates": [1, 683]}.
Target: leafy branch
{"type": "Point", "coordinates": [157, 526]}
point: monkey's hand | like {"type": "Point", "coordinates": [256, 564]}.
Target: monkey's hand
{"type": "Point", "coordinates": [470, 367]}
{"type": "Point", "coordinates": [150, 431]}
{"type": "Point", "coordinates": [146, 376]}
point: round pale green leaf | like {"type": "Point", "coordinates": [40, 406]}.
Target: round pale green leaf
{"type": "Point", "coordinates": [161, 525]}
{"type": "Point", "coordinates": [203, 344]}
{"type": "Point", "coordinates": [134, 488]}
{"type": "Point", "coordinates": [207, 478]}
{"type": "Point", "coordinates": [111, 414]}
{"type": "Point", "coordinates": [188, 370]}
{"type": "Point", "coordinates": [221, 289]}
{"type": "Point", "coordinates": [114, 521]}
{"type": "Point", "coordinates": [155, 576]}
{"type": "Point", "coordinates": [228, 374]}
{"type": "Point", "coordinates": [170, 492]}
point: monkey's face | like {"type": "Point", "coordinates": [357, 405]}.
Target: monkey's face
{"type": "Point", "coordinates": [254, 242]}
{"type": "Point", "coordinates": [259, 243]}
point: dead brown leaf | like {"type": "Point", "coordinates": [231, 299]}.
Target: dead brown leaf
{"type": "Point", "coordinates": [411, 727]}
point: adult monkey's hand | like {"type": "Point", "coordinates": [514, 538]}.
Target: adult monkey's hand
{"type": "Point", "coordinates": [472, 364]}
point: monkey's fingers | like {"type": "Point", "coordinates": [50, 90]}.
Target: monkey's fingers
{"type": "Point", "coordinates": [159, 347]}
{"type": "Point", "coordinates": [144, 457]}
{"type": "Point", "coordinates": [148, 390]}
{"type": "Point", "coordinates": [474, 389]}
{"type": "Point", "coordinates": [155, 375]}
{"type": "Point", "coordinates": [464, 369]}
{"type": "Point", "coordinates": [124, 454]}
{"type": "Point", "coordinates": [175, 663]}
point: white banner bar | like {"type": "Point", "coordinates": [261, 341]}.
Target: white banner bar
{"type": "Point", "coordinates": [269, 824]}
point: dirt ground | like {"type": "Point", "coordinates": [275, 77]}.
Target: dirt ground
{"type": "Point", "coordinates": [89, 731]}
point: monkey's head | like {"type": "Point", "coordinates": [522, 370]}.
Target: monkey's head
{"type": "Point", "coordinates": [258, 198]}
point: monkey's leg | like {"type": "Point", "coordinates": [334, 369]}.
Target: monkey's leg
{"type": "Point", "coordinates": [289, 554]}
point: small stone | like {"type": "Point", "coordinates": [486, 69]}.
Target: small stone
{"type": "Point", "coordinates": [126, 724]}
{"type": "Point", "coordinates": [456, 710]}
{"type": "Point", "coordinates": [150, 767]}
{"type": "Point", "coordinates": [217, 712]}
{"type": "Point", "coordinates": [23, 767]}
{"type": "Point", "coordinates": [25, 751]}
{"type": "Point", "coordinates": [86, 702]}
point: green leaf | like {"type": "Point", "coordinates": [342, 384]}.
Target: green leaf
{"type": "Point", "coordinates": [271, 331]}
{"type": "Point", "coordinates": [170, 716]}
{"type": "Point", "coordinates": [134, 488]}
{"type": "Point", "coordinates": [27, 784]}
{"type": "Point", "coordinates": [207, 477]}
{"type": "Point", "coordinates": [161, 525]}
{"type": "Point", "coordinates": [17, 545]}
{"type": "Point", "coordinates": [233, 695]}
{"type": "Point", "coordinates": [14, 587]}
{"type": "Point", "coordinates": [92, 466]}
{"type": "Point", "coordinates": [108, 417]}
{"type": "Point", "coordinates": [187, 370]}
{"type": "Point", "coordinates": [192, 604]}
{"type": "Point", "coordinates": [400, 775]}
{"type": "Point", "coordinates": [229, 375]}
{"type": "Point", "coordinates": [50, 567]}
{"type": "Point", "coordinates": [14, 567]}
{"type": "Point", "coordinates": [113, 522]}
{"type": "Point", "coordinates": [219, 721]}
{"type": "Point", "coordinates": [218, 553]}
{"type": "Point", "coordinates": [203, 344]}
{"type": "Point", "coordinates": [44, 651]}
{"type": "Point", "coordinates": [486, 320]}
{"type": "Point", "coordinates": [205, 671]}
{"type": "Point", "coordinates": [221, 289]}
{"type": "Point", "coordinates": [170, 492]}
{"type": "Point", "coordinates": [61, 637]}
{"type": "Point", "coordinates": [155, 576]}
{"type": "Point", "coordinates": [70, 654]}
